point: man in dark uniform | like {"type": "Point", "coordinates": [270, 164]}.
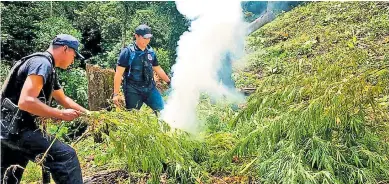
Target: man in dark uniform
{"type": "Point", "coordinates": [33, 84]}
{"type": "Point", "coordinates": [136, 64]}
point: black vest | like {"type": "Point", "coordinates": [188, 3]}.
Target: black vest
{"type": "Point", "coordinates": [140, 72]}
{"type": "Point", "coordinates": [12, 87]}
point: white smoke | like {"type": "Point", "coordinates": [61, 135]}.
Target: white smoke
{"type": "Point", "coordinates": [217, 27]}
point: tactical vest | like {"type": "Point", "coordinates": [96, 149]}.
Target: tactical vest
{"type": "Point", "coordinates": [140, 70]}
{"type": "Point", "coordinates": [8, 91]}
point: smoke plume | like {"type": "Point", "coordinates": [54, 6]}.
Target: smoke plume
{"type": "Point", "coordinates": [217, 29]}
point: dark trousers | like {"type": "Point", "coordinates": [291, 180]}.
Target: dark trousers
{"type": "Point", "coordinates": [136, 97]}
{"type": "Point", "coordinates": [61, 159]}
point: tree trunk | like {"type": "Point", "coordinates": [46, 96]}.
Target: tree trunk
{"type": "Point", "coordinates": [100, 86]}
{"type": "Point", "coordinates": [261, 21]}
{"type": "Point", "coordinates": [100, 89]}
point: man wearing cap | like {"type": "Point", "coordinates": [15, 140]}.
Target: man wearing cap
{"type": "Point", "coordinates": [30, 86]}
{"type": "Point", "coordinates": [136, 64]}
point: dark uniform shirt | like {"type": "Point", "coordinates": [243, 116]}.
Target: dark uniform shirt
{"type": "Point", "coordinates": [133, 74]}
{"type": "Point", "coordinates": [124, 57]}
{"type": "Point", "coordinates": [37, 65]}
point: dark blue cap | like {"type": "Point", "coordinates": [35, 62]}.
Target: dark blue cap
{"type": "Point", "coordinates": [144, 31]}
{"type": "Point", "coordinates": [70, 41]}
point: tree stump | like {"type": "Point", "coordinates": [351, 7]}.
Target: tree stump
{"type": "Point", "coordinates": [100, 89]}
{"type": "Point", "coordinates": [100, 86]}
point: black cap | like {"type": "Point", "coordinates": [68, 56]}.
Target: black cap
{"type": "Point", "coordinates": [70, 41]}
{"type": "Point", "coordinates": [144, 31]}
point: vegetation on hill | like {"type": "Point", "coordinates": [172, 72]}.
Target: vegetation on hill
{"type": "Point", "coordinates": [320, 113]}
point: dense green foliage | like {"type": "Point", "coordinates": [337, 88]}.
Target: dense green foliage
{"type": "Point", "coordinates": [320, 114]}
{"type": "Point", "coordinates": [103, 28]}
{"type": "Point", "coordinates": [144, 144]}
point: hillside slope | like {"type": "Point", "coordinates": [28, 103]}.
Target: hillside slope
{"type": "Point", "coordinates": [320, 113]}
